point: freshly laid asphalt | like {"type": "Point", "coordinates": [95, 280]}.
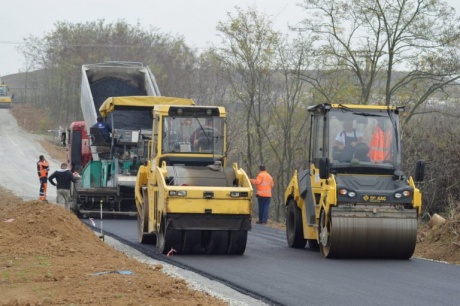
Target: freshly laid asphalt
{"type": "Point", "coordinates": [273, 273]}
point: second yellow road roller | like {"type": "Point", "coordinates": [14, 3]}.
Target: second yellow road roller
{"type": "Point", "coordinates": [354, 200]}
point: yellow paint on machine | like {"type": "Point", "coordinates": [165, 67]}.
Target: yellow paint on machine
{"type": "Point", "coordinates": [5, 102]}
{"type": "Point", "coordinates": [5, 98]}
{"type": "Point", "coordinates": [217, 206]}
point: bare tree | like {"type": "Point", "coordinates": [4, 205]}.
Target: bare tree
{"type": "Point", "coordinates": [31, 52]}
{"type": "Point", "coordinates": [287, 137]}
{"type": "Point", "coordinates": [263, 70]}
{"type": "Point", "coordinates": [59, 56]}
{"type": "Point", "coordinates": [247, 53]}
{"type": "Point", "coordinates": [440, 149]}
{"type": "Point", "coordinates": [374, 39]}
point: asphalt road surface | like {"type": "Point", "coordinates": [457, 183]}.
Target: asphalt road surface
{"type": "Point", "coordinates": [268, 271]}
{"type": "Point", "coordinates": [19, 152]}
{"type": "Point", "coordinates": [272, 272]}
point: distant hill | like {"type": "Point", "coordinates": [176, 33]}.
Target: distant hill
{"type": "Point", "coordinates": [18, 82]}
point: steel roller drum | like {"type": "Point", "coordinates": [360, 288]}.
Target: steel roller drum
{"type": "Point", "coordinates": [373, 232]}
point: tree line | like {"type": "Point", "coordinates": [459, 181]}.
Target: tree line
{"type": "Point", "coordinates": [351, 51]}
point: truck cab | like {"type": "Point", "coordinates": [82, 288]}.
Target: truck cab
{"type": "Point", "coordinates": [192, 136]}
{"type": "Point", "coordinates": [356, 140]}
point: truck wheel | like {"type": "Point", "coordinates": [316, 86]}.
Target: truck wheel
{"type": "Point", "coordinates": [294, 227]}
{"type": "Point", "coordinates": [324, 235]}
{"type": "Point", "coordinates": [142, 225]}
{"type": "Point", "coordinates": [217, 243]}
{"type": "Point", "coordinates": [313, 244]}
{"type": "Point", "coordinates": [191, 242]}
{"type": "Point", "coordinates": [237, 242]}
{"type": "Point", "coordinates": [169, 240]}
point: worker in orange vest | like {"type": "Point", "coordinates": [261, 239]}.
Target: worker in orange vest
{"type": "Point", "coordinates": [42, 169]}
{"type": "Point", "coordinates": [380, 146]}
{"type": "Point", "coordinates": [264, 184]}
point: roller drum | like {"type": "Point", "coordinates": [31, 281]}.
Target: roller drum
{"type": "Point", "coordinates": [372, 233]}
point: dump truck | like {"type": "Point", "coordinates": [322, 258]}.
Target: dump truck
{"type": "Point", "coordinates": [5, 98]}
{"type": "Point", "coordinates": [354, 200]}
{"type": "Point", "coordinates": [80, 153]}
{"type": "Point", "coordinates": [188, 201]}
{"type": "Point", "coordinates": [108, 168]}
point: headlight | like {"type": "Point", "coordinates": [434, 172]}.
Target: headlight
{"type": "Point", "coordinates": [344, 192]}
{"type": "Point", "coordinates": [405, 193]}
{"type": "Point", "coordinates": [234, 194]}
{"type": "Point", "coordinates": [177, 193]}
{"type": "Point", "coordinates": [238, 194]}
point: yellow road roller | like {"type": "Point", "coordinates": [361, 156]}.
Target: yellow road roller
{"type": "Point", "coordinates": [354, 200]}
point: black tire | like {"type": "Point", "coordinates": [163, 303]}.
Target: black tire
{"type": "Point", "coordinates": [217, 243]}
{"type": "Point", "coordinates": [294, 227]}
{"type": "Point", "coordinates": [169, 240]}
{"type": "Point", "coordinates": [142, 224]}
{"type": "Point", "coordinates": [191, 242]}
{"type": "Point", "coordinates": [325, 235]}
{"type": "Point", "coordinates": [313, 244]}
{"type": "Point", "coordinates": [237, 242]}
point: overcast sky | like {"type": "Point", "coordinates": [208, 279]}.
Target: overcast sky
{"type": "Point", "coordinates": [195, 20]}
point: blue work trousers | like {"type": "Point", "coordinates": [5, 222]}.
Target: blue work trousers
{"type": "Point", "coordinates": [264, 205]}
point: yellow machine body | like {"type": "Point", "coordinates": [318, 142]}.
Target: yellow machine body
{"type": "Point", "coordinates": [187, 199]}
{"type": "Point", "coordinates": [5, 98]}
{"type": "Point", "coordinates": [346, 203]}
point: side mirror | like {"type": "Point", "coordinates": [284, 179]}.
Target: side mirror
{"type": "Point", "coordinates": [419, 171]}
{"type": "Point", "coordinates": [323, 168]}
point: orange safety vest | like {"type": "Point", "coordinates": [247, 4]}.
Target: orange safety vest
{"type": "Point", "coordinates": [43, 168]}
{"type": "Point", "coordinates": [264, 183]}
{"type": "Point", "coordinates": [380, 144]}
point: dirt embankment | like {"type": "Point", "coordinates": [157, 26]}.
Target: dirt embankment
{"type": "Point", "coordinates": [50, 257]}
